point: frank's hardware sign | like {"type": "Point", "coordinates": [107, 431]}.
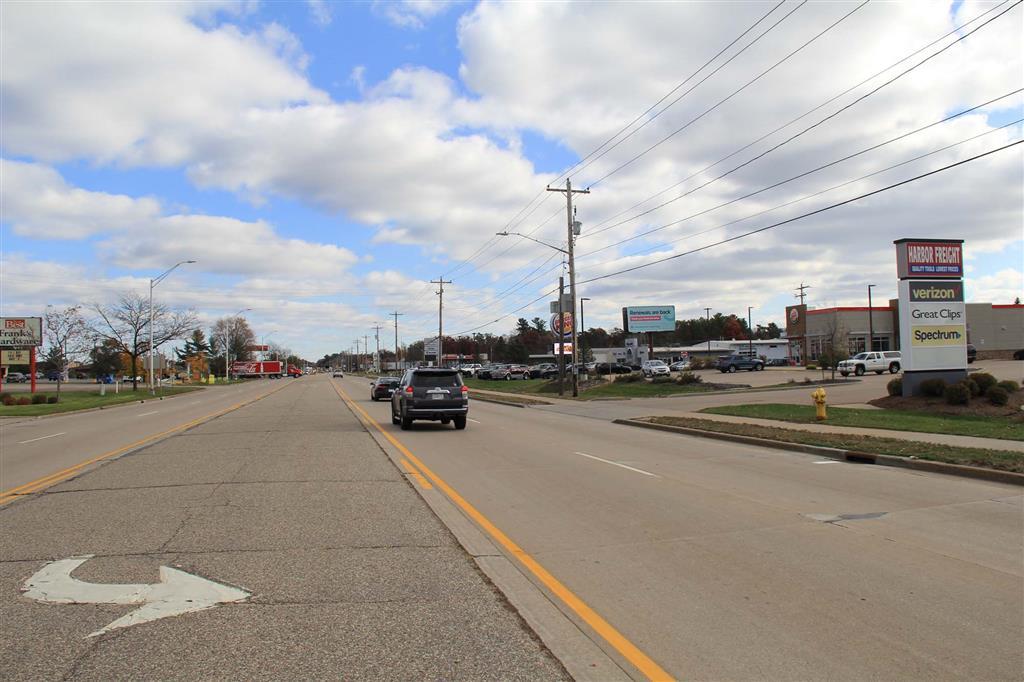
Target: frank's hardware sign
{"type": "Point", "coordinates": [21, 331]}
{"type": "Point", "coordinates": [930, 258]}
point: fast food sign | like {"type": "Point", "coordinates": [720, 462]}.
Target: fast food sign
{"type": "Point", "coordinates": [21, 331]}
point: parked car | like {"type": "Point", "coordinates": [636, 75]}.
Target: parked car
{"type": "Point", "coordinates": [875, 361]}
{"type": "Point", "coordinates": [972, 353]}
{"type": "Point", "coordinates": [16, 378]}
{"type": "Point", "coordinates": [539, 371]}
{"type": "Point", "coordinates": [652, 368]}
{"type": "Point", "coordinates": [485, 371]}
{"type": "Point", "coordinates": [53, 375]}
{"type": "Point", "coordinates": [431, 394]}
{"type": "Point", "coordinates": [510, 372]}
{"type": "Point", "coordinates": [611, 368]}
{"type": "Point", "coordinates": [680, 366]}
{"type": "Point", "coordinates": [776, 362]}
{"type": "Point", "coordinates": [383, 387]}
{"type": "Point", "coordinates": [470, 369]}
{"type": "Point", "coordinates": [736, 361]}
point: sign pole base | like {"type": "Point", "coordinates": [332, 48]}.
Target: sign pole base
{"type": "Point", "coordinates": [912, 380]}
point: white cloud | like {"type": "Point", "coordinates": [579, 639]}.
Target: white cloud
{"type": "Point", "coordinates": [1002, 287]}
{"type": "Point", "coordinates": [320, 10]}
{"type": "Point", "coordinates": [412, 14]}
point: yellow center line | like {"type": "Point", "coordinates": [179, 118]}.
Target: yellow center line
{"type": "Point", "coordinates": [64, 474]}
{"type": "Point", "coordinates": [644, 663]}
{"type": "Point", "coordinates": [411, 470]}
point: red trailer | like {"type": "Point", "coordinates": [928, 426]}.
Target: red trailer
{"type": "Point", "coordinates": [268, 369]}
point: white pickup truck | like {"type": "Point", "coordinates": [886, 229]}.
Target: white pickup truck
{"type": "Point", "coordinates": [877, 362]}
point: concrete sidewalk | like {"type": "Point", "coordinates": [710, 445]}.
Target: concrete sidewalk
{"type": "Point", "coordinates": [917, 436]}
{"type": "Point", "coordinates": [351, 575]}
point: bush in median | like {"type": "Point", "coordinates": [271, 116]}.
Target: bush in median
{"type": "Point", "coordinates": [630, 378]}
{"type": "Point", "coordinates": [661, 380]}
{"type": "Point", "coordinates": [52, 400]}
{"type": "Point", "coordinates": [39, 399]}
{"type": "Point", "coordinates": [895, 387]}
{"type": "Point", "coordinates": [957, 394]}
{"type": "Point", "coordinates": [24, 401]}
{"type": "Point", "coordinates": [933, 387]}
{"type": "Point", "coordinates": [1009, 385]}
{"type": "Point", "coordinates": [973, 386]}
{"type": "Point", "coordinates": [997, 395]}
{"type": "Point", "coordinates": [687, 378]}
{"type": "Point", "coordinates": [8, 399]}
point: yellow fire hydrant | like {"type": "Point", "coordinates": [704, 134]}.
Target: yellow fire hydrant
{"type": "Point", "coordinates": [820, 405]}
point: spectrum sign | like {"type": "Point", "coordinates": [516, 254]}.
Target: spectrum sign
{"type": "Point", "coordinates": [929, 259]}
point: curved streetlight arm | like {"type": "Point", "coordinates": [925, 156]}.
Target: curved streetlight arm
{"type": "Point", "coordinates": [152, 283]}
{"type": "Point", "coordinates": [520, 234]}
{"type": "Point", "coordinates": [156, 280]}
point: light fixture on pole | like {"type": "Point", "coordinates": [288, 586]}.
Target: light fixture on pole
{"type": "Point", "coordinates": [228, 333]}
{"type": "Point", "coordinates": [152, 284]}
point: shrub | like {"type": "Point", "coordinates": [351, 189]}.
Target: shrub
{"type": "Point", "coordinates": [1009, 385]}
{"type": "Point", "coordinates": [973, 387]}
{"type": "Point", "coordinates": [997, 395]}
{"type": "Point", "coordinates": [39, 399]}
{"type": "Point", "coordinates": [933, 387]}
{"type": "Point", "coordinates": [5, 394]}
{"type": "Point", "coordinates": [689, 378]}
{"type": "Point", "coordinates": [52, 400]}
{"type": "Point", "coordinates": [984, 381]}
{"type": "Point", "coordinates": [8, 399]}
{"type": "Point", "coordinates": [631, 378]}
{"type": "Point", "coordinates": [24, 401]}
{"type": "Point", "coordinates": [957, 394]}
{"type": "Point", "coordinates": [895, 387]}
{"type": "Point", "coordinates": [661, 380]}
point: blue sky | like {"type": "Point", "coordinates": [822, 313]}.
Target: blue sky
{"type": "Point", "coordinates": [323, 161]}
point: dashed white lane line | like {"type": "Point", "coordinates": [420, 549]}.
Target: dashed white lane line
{"type": "Point", "coordinates": [146, 414]}
{"type": "Point", "coordinates": [472, 420]}
{"type": "Point", "coordinates": [829, 461]}
{"type": "Point", "coordinates": [616, 464]}
{"type": "Point", "coordinates": [33, 440]}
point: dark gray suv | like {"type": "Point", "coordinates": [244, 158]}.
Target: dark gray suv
{"type": "Point", "coordinates": [430, 393]}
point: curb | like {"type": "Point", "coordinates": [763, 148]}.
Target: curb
{"type": "Point", "coordinates": [497, 401]}
{"type": "Point", "coordinates": [994, 475]}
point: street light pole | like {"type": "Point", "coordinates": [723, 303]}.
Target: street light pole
{"type": "Point", "coordinates": [750, 332]}
{"type": "Point", "coordinates": [707, 312]}
{"type": "Point", "coordinates": [583, 323]}
{"type": "Point", "coordinates": [152, 284]}
{"type": "Point", "coordinates": [871, 323]}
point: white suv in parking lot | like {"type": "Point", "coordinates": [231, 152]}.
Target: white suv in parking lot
{"type": "Point", "coordinates": [653, 368]}
{"type": "Point", "coordinates": [877, 362]}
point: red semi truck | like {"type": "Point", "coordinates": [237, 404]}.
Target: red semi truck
{"type": "Point", "coordinates": [267, 369]}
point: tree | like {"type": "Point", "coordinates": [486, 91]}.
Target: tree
{"type": "Point", "coordinates": [234, 333]}
{"type": "Point", "coordinates": [540, 325]}
{"type": "Point", "coordinates": [195, 354]}
{"type": "Point", "coordinates": [105, 359]}
{"type": "Point", "coordinates": [522, 327]}
{"type": "Point", "coordinates": [68, 338]}
{"type": "Point", "coordinates": [126, 325]}
{"type": "Point", "coordinates": [733, 329]}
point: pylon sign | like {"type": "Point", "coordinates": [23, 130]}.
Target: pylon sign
{"type": "Point", "coordinates": [562, 326]}
{"type": "Point", "coordinates": [21, 331]}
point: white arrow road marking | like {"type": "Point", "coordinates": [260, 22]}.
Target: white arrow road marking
{"type": "Point", "coordinates": [177, 592]}
{"type": "Point", "coordinates": [33, 440]}
{"type": "Point", "coordinates": [616, 464]}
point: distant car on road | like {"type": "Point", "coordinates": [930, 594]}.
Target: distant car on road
{"type": "Point", "coordinates": [431, 394]}
{"type": "Point", "coordinates": [652, 368]}
{"type": "Point", "coordinates": [736, 361]}
{"type": "Point", "coordinates": [16, 378]}
{"type": "Point", "coordinates": [877, 362]}
{"type": "Point", "coordinates": [338, 374]}
{"type": "Point", "coordinates": [383, 387]}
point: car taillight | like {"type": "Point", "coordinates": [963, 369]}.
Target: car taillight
{"type": "Point", "coordinates": [465, 389]}
{"type": "Point", "coordinates": [408, 389]}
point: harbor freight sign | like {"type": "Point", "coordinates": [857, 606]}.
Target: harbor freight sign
{"type": "Point", "coordinates": [21, 331]}
{"type": "Point", "coordinates": [929, 258]}
{"type": "Point", "coordinates": [661, 318]}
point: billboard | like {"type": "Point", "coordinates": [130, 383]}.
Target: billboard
{"type": "Point", "coordinates": [21, 331]}
{"type": "Point", "coordinates": [933, 325]}
{"type": "Point", "coordinates": [565, 348]}
{"type": "Point", "coordinates": [929, 258]}
{"type": "Point", "coordinates": [430, 346]}
{"type": "Point", "coordinates": [796, 321]}
{"type": "Point", "coordinates": [649, 318]}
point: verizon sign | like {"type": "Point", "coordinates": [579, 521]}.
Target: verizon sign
{"type": "Point", "coordinates": [929, 259]}
{"type": "Point", "coordinates": [21, 331]}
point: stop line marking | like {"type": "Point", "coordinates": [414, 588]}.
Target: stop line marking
{"type": "Point", "coordinates": [616, 464]}
{"type": "Point", "coordinates": [33, 440]}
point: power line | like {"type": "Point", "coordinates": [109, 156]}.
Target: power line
{"type": "Point", "coordinates": [586, 160]}
{"type": "Point", "coordinates": [796, 135]}
{"type": "Point", "coordinates": [728, 97]}
{"type": "Point", "coordinates": [803, 174]}
{"type": "Point", "coordinates": [805, 215]}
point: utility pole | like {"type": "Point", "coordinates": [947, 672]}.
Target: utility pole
{"type": "Point", "coordinates": [440, 281]}
{"type": "Point", "coordinates": [376, 336]}
{"type": "Point", "coordinates": [707, 312]}
{"type": "Point", "coordinates": [357, 355]}
{"type": "Point", "coordinates": [803, 339]}
{"type": "Point", "coordinates": [366, 344]}
{"type": "Point", "coordinates": [573, 230]}
{"type": "Point", "coordinates": [801, 289]}
{"type": "Point", "coordinates": [395, 315]}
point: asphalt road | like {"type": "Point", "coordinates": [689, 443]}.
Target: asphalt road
{"type": "Point", "coordinates": [724, 561]}
{"type": "Point", "coordinates": [34, 448]}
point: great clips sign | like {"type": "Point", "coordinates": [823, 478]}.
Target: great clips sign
{"type": "Point", "coordinates": [930, 259]}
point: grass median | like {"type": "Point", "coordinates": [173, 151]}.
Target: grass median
{"type": "Point", "coordinates": [72, 401]}
{"type": "Point", "coordinates": [1002, 460]}
{"type": "Point", "coordinates": [1006, 428]}
{"type": "Point", "coordinates": [604, 389]}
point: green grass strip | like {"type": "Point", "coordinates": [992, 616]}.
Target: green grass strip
{"type": "Point", "coordinates": [72, 401]}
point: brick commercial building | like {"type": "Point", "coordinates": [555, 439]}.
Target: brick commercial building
{"type": "Point", "coordinates": [995, 330]}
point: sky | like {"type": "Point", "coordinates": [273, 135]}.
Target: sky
{"type": "Point", "coordinates": [322, 162]}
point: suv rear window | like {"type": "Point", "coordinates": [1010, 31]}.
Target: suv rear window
{"type": "Point", "coordinates": [436, 379]}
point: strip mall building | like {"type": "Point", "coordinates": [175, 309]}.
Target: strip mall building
{"type": "Point", "coordinates": [997, 331]}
